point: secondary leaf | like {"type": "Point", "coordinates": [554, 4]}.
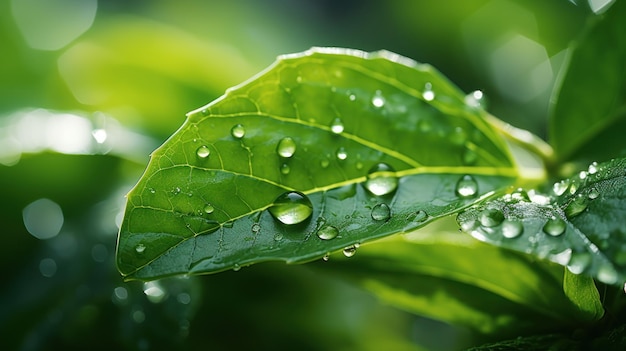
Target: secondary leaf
{"type": "Point", "coordinates": [448, 276]}
{"type": "Point", "coordinates": [588, 113]}
{"type": "Point", "coordinates": [342, 146]}
{"type": "Point", "coordinates": [580, 225]}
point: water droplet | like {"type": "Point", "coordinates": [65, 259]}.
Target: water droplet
{"type": "Point", "coordinates": [175, 190]}
{"type": "Point", "coordinates": [236, 267]}
{"type": "Point", "coordinates": [140, 248]}
{"type": "Point", "coordinates": [284, 169]}
{"type": "Point", "coordinates": [350, 250]}
{"type": "Point", "coordinates": [576, 206]}
{"type": "Point", "coordinates": [48, 267]}
{"type": "Point", "coordinates": [607, 273]}
{"type": "Point", "coordinates": [593, 194]}
{"type": "Point", "coordinates": [203, 151]}
{"type": "Point", "coordinates": [466, 186]}
{"type": "Point", "coordinates": [582, 175]}
{"type": "Point", "coordinates": [326, 257]}
{"type": "Point", "coordinates": [562, 257]}
{"type": "Point", "coordinates": [559, 188]}
{"type": "Point", "coordinates": [291, 208]}
{"type": "Point", "coordinates": [470, 157]}
{"type": "Point", "coordinates": [238, 131]}
{"type": "Point", "coordinates": [151, 190]}
{"type": "Point", "coordinates": [469, 225]}
{"type": "Point", "coordinates": [475, 99]}
{"type": "Point", "coordinates": [428, 94]}
{"type": "Point", "coordinates": [378, 100]}
{"type": "Point", "coordinates": [337, 126]}
{"type": "Point", "coordinates": [352, 97]}
{"type": "Point", "coordinates": [327, 232]}
{"type": "Point", "coordinates": [359, 165]}
{"type": "Point", "coordinates": [381, 180]}
{"type": "Point", "coordinates": [458, 136]}
{"type": "Point", "coordinates": [342, 154]}
{"type": "Point", "coordinates": [208, 209]}
{"type": "Point", "coordinates": [554, 226]}
{"type": "Point", "coordinates": [256, 227]}
{"type": "Point", "coordinates": [491, 217]}
{"type": "Point", "coordinates": [418, 216]}
{"type": "Point", "coordinates": [573, 188]}
{"type": "Point", "coordinates": [381, 212]}
{"type": "Point", "coordinates": [324, 163]}
{"type": "Point", "coordinates": [154, 292]}
{"type": "Point", "coordinates": [512, 228]}
{"type": "Point", "coordinates": [278, 237]}
{"type": "Point", "coordinates": [286, 147]}
{"type": "Point", "coordinates": [593, 168]}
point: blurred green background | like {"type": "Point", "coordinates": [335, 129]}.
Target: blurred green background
{"type": "Point", "coordinates": [89, 88]}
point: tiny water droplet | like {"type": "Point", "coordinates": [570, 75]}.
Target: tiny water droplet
{"type": "Point", "coordinates": [205, 111]}
{"type": "Point", "coordinates": [352, 97]}
{"type": "Point", "coordinates": [381, 212]}
{"type": "Point", "coordinates": [381, 180]}
{"type": "Point", "coordinates": [278, 237]}
{"type": "Point", "coordinates": [208, 209]}
{"type": "Point", "coordinates": [151, 190]}
{"type": "Point", "coordinates": [593, 193]}
{"type": "Point", "coordinates": [341, 153]}
{"type": "Point", "coordinates": [324, 163]}
{"type": "Point", "coordinates": [203, 151]}
{"type": "Point", "coordinates": [470, 157]}
{"type": "Point", "coordinates": [327, 232]}
{"type": "Point", "coordinates": [458, 136]}
{"type": "Point", "coordinates": [475, 99]}
{"type": "Point", "coordinates": [582, 175]}
{"type": "Point", "coordinates": [573, 188]}
{"type": "Point", "coordinates": [491, 217]}
{"type": "Point", "coordinates": [378, 100]}
{"type": "Point", "coordinates": [326, 257]}
{"type": "Point", "coordinates": [559, 188]}
{"type": "Point", "coordinates": [175, 190]}
{"type": "Point", "coordinates": [576, 206]}
{"type": "Point", "coordinates": [236, 268]}
{"type": "Point", "coordinates": [428, 94]}
{"type": "Point", "coordinates": [238, 131]}
{"type": "Point", "coordinates": [593, 168]}
{"type": "Point", "coordinates": [140, 248]}
{"type": "Point", "coordinates": [418, 216]}
{"type": "Point", "coordinates": [359, 165]}
{"type": "Point", "coordinates": [284, 169]}
{"type": "Point", "coordinates": [337, 126]}
{"type": "Point", "coordinates": [256, 227]}
{"type": "Point", "coordinates": [349, 251]}
{"type": "Point", "coordinates": [512, 228]}
{"type": "Point", "coordinates": [466, 186]}
{"type": "Point", "coordinates": [554, 226]}
{"type": "Point", "coordinates": [291, 208]}
{"type": "Point", "coordinates": [286, 147]}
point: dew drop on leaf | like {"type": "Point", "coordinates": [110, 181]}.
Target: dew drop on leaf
{"type": "Point", "coordinates": [175, 190]}
{"type": "Point", "coordinates": [554, 226]}
{"type": "Point", "coordinates": [593, 194]}
{"type": "Point", "coordinates": [327, 232]}
{"type": "Point", "coordinates": [381, 212]}
{"type": "Point", "coordinates": [324, 163]}
{"type": "Point", "coordinates": [576, 206]}
{"type": "Point", "coordinates": [378, 100]}
{"type": "Point", "coordinates": [352, 97]}
{"type": "Point", "coordinates": [418, 216]}
{"type": "Point", "coordinates": [512, 228]}
{"type": "Point", "coordinates": [140, 248]}
{"type": "Point", "coordinates": [607, 274]}
{"type": "Point", "coordinates": [286, 147]}
{"type": "Point", "coordinates": [466, 186]}
{"type": "Point", "coordinates": [203, 151]}
{"type": "Point", "coordinates": [593, 168]}
{"type": "Point", "coordinates": [256, 227]}
{"type": "Point", "coordinates": [151, 190]}
{"type": "Point", "coordinates": [326, 257]}
{"type": "Point", "coordinates": [238, 131]}
{"type": "Point", "coordinates": [278, 237]}
{"type": "Point", "coordinates": [458, 136]}
{"type": "Point", "coordinates": [381, 180]}
{"type": "Point", "coordinates": [341, 153]}
{"type": "Point", "coordinates": [208, 209]}
{"type": "Point", "coordinates": [350, 250]}
{"type": "Point", "coordinates": [491, 217]}
{"type": "Point", "coordinates": [475, 99]}
{"type": "Point", "coordinates": [428, 94]}
{"type": "Point", "coordinates": [559, 188]}
{"type": "Point", "coordinates": [337, 126]}
{"type": "Point", "coordinates": [284, 169]}
{"type": "Point", "coordinates": [291, 208]}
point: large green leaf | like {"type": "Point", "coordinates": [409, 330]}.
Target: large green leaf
{"type": "Point", "coordinates": [588, 113]}
{"type": "Point", "coordinates": [440, 273]}
{"type": "Point", "coordinates": [580, 225]}
{"type": "Point", "coordinates": [315, 123]}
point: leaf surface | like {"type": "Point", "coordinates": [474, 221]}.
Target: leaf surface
{"type": "Point", "coordinates": [376, 142]}
{"type": "Point", "coordinates": [588, 113]}
{"type": "Point", "coordinates": [579, 225]}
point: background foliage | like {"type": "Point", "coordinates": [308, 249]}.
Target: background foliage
{"type": "Point", "coordinates": [87, 95]}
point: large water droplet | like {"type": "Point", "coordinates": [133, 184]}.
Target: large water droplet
{"type": "Point", "coordinates": [491, 217]}
{"type": "Point", "coordinates": [203, 151]}
{"type": "Point", "coordinates": [428, 94]}
{"type": "Point", "coordinates": [291, 208]}
{"type": "Point", "coordinates": [140, 248]}
{"type": "Point", "coordinates": [512, 228]}
{"type": "Point", "coordinates": [381, 212]}
{"type": "Point", "coordinates": [238, 131]}
{"type": "Point", "coordinates": [576, 207]}
{"type": "Point", "coordinates": [381, 180]}
{"type": "Point", "coordinates": [554, 226]}
{"type": "Point", "coordinates": [466, 186]}
{"type": "Point", "coordinates": [593, 168]}
{"type": "Point", "coordinates": [559, 188]}
{"type": "Point", "coordinates": [327, 232]}
{"type": "Point", "coordinates": [337, 126]}
{"type": "Point", "coordinates": [341, 153]}
{"type": "Point", "coordinates": [286, 147]}
{"type": "Point", "coordinates": [154, 292]}
{"type": "Point", "coordinates": [378, 100]}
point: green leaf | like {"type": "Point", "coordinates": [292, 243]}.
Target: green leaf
{"type": "Point", "coordinates": [578, 225]}
{"type": "Point", "coordinates": [582, 291]}
{"type": "Point", "coordinates": [588, 112]}
{"type": "Point", "coordinates": [376, 142]}
{"type": "Point", "coordinates": [440, 273]}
